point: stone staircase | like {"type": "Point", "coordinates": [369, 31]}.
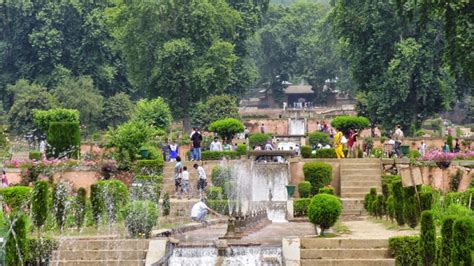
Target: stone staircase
{"type": "Point", "coordinates": [85, 252]}
{"type": "Point", "coordinates": [357, 177]}
{"type": "Point", "coordinates": [345, 252]}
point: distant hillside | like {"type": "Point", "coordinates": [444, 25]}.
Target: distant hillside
{"type": "Point", "coordinates": [288, 2]}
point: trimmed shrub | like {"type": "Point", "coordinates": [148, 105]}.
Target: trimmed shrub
{"type": "Point", "coordinates": [410, 206]}
{"type": "Point", "coordinates": [386, 184]}
{"type": "Point", "coordinates": [241, 149]}
{"type": "Point", "coordinates": [390, 208]}
{"type": "Point", "coordinates": [166, 204]}
{"type": "Point", "coordinates": [43, 118]}
{"type": "Point", "coordinates": [259, 139]}
{"type": "Point", "coordinates": [319, 174]}
{"type": "Point", "coordinates": [463, 241]}
{"type": "Point", "coordinates": [300, 206]}
{"type": "Point", "coordinates": [60, 193]}
{"type": "Point", "coordinates": [64, 139]}
{"type": "Point", "coordinates": [40, 250]}
{"type": "Point", "coordinates": [214, 193]}
{"type": "Point", "coordinates": [226, 128]}
{"type": "Point", "coordinates": [404, 249]}
{"type": "Point", "coordinates": [34, 155]}
{"type": "Point", "coordinates": [398, 201]}
{"type": "Point", "coordinates": [327, 190]}
{"type": "Point", "coordinates": [97, 203]}
{"type": "Point", "coordinates": [325, 153]}
{"type": "Point", "coordinates": [324, 210]}
{"type": "Point", "coordinates": [379, 206]}
{"type": "Point", "coordinates": [414, 154]}
{"type": "Point", "coordinates": [17, 197]}
{"type": "Point", "coordinates": [39, 203]}
{"type": "Point", "coordinates": [346, 122]}
{"type": "Point", "coordinates": [428, 238]}
{"type": "Point", "coordinates": [304, 189]}
{"type": "Point", "coordinates": [319, 137]}
{"type": "Point", "coordinates": [16, 245]}
{"type": "Point", "coordinates": [306, 151]}
{"type": "Point", "coordinates": [140, 218]}
{"type": "Point", "coordinates": [426, 200]}
{"type": "Point", "coordinates": [220, 175]}
{"type": "Point", "coordinates": [455, 180]}
{"type": "Point", "coordinates": [80, 207]}
{"type": "Point", "coordinates": [449, 140]}
{"type": "Point", "coordinates": [369, 198]}
{"type": "Point", "coordinates": [454, 198]}
{"type": "Point", "coordinates": [447, 240]}
{"type": "Point", "coordinates": [114, 194]}
{"type": "Point", "coordinates": [219, 155]}
{"type": "Point", "coordinates": [149, 167]}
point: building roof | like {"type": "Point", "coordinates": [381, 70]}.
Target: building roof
{"type": "Point", "coordinates": [299, 89]}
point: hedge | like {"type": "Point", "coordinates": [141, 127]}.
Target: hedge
{"type": "Point", "coordinates": [428, 238]}
{"type": "Point", "coordinates": [463, 241]}
{"type": "Point", "coordinates": [141, 217]}
{"type": "Point", "coordinates": [114, 194]}
{"type": "Point", "coordinates": [97, 204]}
{"type": "Point", "coordinates": [80, 207]}
{"type": "Point", "coordinates": [369, 198]}
{"type": "Point", "coordinates": [304, 189]}
{"type": "Point", "coordinates": [259, 139]}
{"type": "Point", "coordinates": [426, 200]}
{"type": "Point", "coordinates": [17, 197]}
{"type": "Point", "coordinates": [447, 240]}
{"type": "Point", "coordinates": [155, 179]}
{"type": "Point", "coordinates": [346, 122]}
{"type": "Point", "coordinates": [220, 175]}
{"type": "Point", "coordinates": [219, 155]}
{"type": "Point", "coordinates": [34, 156]}
{"type": "Point", "coordinates": [149, 167]}
{"type": "Point", "coordinates": [404, 249]}
{"type": "Point", "coordinates": [300, 206]}
{"type": "Point", "coordinates": [40, 251]}
{"type": "Point", "coordinates": [241, 149]}
{"type": "Point", "coordinates": [325, 153]}
{"type": "Point", "coordinates": [316, 138]}
{"type": "Point", "coordinates": [16, 239]}
{"type": "Point", "coordinates": [60, 192]}
{"type": "Point", "coordinates": [64, 139]}
{"type": "Point", "coordinates": [390, 207]}
{"type": "Point", "coordinates": [410, 204]}
{"type": "Point", "coordinates": [43, 118]}
{"type": "Point", "coordinates": [324, 210]}
{"type": "Point", "coordinates": [306, 151]}
{"type": "Point", "coordinates": [379, 209]}
{"type": "Point", "coordinates": [319, 174]}
{"type": "Point", "coordinates": [398, 201]}
{"type": "Point", "coordinates": [39, 206]}
{"type": "Point", "coordinates": [327, 190]}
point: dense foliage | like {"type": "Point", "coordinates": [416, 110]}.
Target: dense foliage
{"type": "Point", "coordinates": [39, 206]}
{"type": "Point", "coordinates": [213, 109]}
{"type": "Point", "coordinates": [344, 123]}
{"type": "Point", "coordinates": [304, 189]}
{"type": "Point", "coordinates": [259, 139]}
{"type": "Point", "coordinates": [155, 113]}
{"type": "Point", "coordinates": [140, 218]}
{"type": "Point", "coordinates": [316, 138]}
{"type": "Point", "coordinates": [64, 139]}
{"type": "Point", "coordinates": [428, 238]}
{"type": "Point", "coordinates": [17, 197]}
{"type": "Point", "coordinates": [43, 118]}
{"type": "Point", "coordinates": [226, 128]}
{"type": "Point", "coordinates": [404, 249]}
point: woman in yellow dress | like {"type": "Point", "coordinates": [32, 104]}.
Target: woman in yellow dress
{"type": "Point", "coordinates": [338, 145]}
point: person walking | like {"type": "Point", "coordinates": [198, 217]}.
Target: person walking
{"type": "Point", "coordinates": [185, 182]}
{"type": "Point", "coordinates": [422, 148]}
{"type": "Point", "coordinates": [42, 148]}
{"type": "Point", "coordinates": [338, 145]}
{"type": "Point", "coordinates": [262, 128]}
{"type": "Point", "coordinates": [398, 136]}
{"type": "Point", "coordinates": [178, 170]}
{"type": "Point", "coordinates": [202, 178]}
{"type": "Point", "coordinates": [196, 138]}
{"type": "Point", "coordinates": [355, 145]}
{"type": "Point", "coordinates": [5, 182]}
{"type": "Point", "coordinates": [457, 146]}
{"type": "Point", "coordinates": [200, 210]}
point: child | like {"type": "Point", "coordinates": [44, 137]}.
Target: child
{"type": "Point", "coordinates": [185, 181]}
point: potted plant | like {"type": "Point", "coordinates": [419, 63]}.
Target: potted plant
{"type": "Point", "coordinates": [291, 190]}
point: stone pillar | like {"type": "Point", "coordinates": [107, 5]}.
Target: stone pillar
{"type": "Point", "coordinates": [291, 251]}
{"type": "Point", "coordinates": [289, 209]}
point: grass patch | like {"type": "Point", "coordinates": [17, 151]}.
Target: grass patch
{"type": "Point", "coordinates": [392, 226]}
{"type": "Point", "coordinates": [342, 229]}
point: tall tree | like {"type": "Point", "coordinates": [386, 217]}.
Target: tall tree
{"type": "Point", "coordinates": [178, 49]}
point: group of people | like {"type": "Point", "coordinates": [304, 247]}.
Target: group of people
{"type": "Point", "coordinates": [216, 145]}
{"type": "Point", "coordinates": [299, 105]}
{"type": "Point", "coordinates": [181, 178]}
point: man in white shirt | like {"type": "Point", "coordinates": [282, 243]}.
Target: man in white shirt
{"type": "Point", "coordinates": [202, 178]}
{"type": "Point", "coordinates": [215, 145]}
{"type": "Point", "coordinates": [200, 210]}
{"type": "Point", "coordinates": [397, 136]}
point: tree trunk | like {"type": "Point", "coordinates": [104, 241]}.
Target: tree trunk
{"type": "Point", "coordinates": [186, 123]}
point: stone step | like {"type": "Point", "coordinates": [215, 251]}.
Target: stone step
{"type": "Point", "coordinates": [99, 255]}
{"type": "Point", "coordinates": [366, 253]}
{"type": "Point", "coordinates": [359, 177]}
{"type": "Point", "coordinates": [366, 172]}
{"type": "Point", "coordinates": [360, 212]}
{"type": "Point", "coordinates": [341, 243]}
{"type": "Point", "coordinates": [351, 204]}
{"type": "Point", "coordinates": [348, 262]}
{"type": "Point", "coordinates": [348, 189]}
{"type": "Point", "coordinates": [358, 166]}
{"type": "Point", "coordinates": [121, 244]}
{"type": "Point", "coordinates": [361, 183]}
{"type": "Point", "coordinates": [354, 195]}
{"type": "Point", "coordinates": [98, 262]}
